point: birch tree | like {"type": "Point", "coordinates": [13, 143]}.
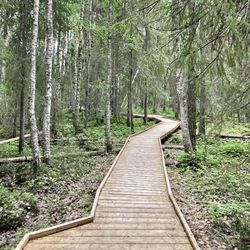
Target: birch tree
{"type": "Point", "coordinates": [180, 87]}
{"type": "Point", "coordinates": [48, 87]}
{"type": "Point", "coordinates": [32, 90]}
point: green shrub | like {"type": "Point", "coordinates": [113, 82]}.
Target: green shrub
{"type": "Point", "coordinates": [232, 216]}
{"type": "Point", "coordinates": [234, 149]}
{"type": "Point", "coordinates": [14, 207]}
{"type": "Point", "coordinates": [175, 139]}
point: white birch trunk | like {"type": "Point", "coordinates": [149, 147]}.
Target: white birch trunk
{"type": "Point", "coordinates": [183, 111]}
{"type": "Point", "coordinates": [109, 80]}
{"type": "Point", "coordinates": [48, 88]}
{"type": "Point", "coordinates": [32, 90]}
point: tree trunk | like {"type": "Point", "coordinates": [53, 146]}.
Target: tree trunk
{"type": "Point", "coordinates": [183, 112]}
{"type": "Point", "coordinates": [78, 73]}
{"type": "Point", "coordinates": [109, 79]}
{"type": "Point", "coordinates": [89, 67]}
{"type": "Point", "coordinates": [202, 123]}
{"type": "Point", "coordinates": [23, 55]}
{"type": "Point", "coordinates": [164, 108]}
{"type": "Point", "coordinates": [145, 117]}
{"type": "Point", "coordinates": [191, 100]}
{"type": "Point", "coordinates": [74, 92]}
{"type": "Point", "coordinates": [129, 91]}
{"type": "Point", "coordinates": [32, 90]}
{"type": "Point", "coordinates": [146, 47]}
{"type": "Point", "coordinates": [48, 88]}
{"type": "Point", "coordinates": [116, 66]}
{"type": "Point", "coordinates": [181, 93]}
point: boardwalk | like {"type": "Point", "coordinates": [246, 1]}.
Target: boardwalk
{"type": "Point", "coordinates": [134, 208]}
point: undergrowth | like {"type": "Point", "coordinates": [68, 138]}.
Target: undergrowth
{"type": "Point", "coordinates": [21, 190]}
{"type": "Point", "coordinates": [217, 173]}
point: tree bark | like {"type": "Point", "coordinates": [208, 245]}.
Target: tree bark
{"type": "Point", "coordinates": [202, 123]}
{"type": "Point", "coordinates": [129, 91]}
{"type": "Point", "coordinates": [23, 55]}
{"type": "Point", "coordinates": [89, 67]}
{"type": "Point", "coordinates": [48, 88]}
{"type": "Point", "coordinates": [146, 47]}
{"type": "Point", "coordinates": [79, 71]}
{"type": "Point", "coordinates": [191, 100]}
{"type": "Point", "coordinates": [183, 112]}
{"type": "Point", "coordinates": [109, 79]}
{"type": "Point", "coordinates": [32, 90]}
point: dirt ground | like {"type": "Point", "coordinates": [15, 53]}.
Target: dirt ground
{"type": "Point", "coordinates": [61, 203]}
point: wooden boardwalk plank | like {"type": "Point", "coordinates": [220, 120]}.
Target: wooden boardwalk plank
{"type": "Point", "coordinates": [109, 246]}
{"type": "Point", "coordinates": [134, 208]}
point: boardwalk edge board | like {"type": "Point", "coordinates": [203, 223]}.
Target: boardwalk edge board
{"type": "Point", "coordinates": [82, 221]}
{"type": "Point", "coordinates": [171, 196]}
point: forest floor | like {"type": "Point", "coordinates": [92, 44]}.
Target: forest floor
{"type": "Point", "coordinates": [59, 193]}
{"type": "Point", "coordinates": [211, 186]}
{"type": "Point", "coordinates": [212, 189]}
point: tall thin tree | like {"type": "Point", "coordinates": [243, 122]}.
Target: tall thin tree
{"type": "Point", "coordinates": [78, 72]}
{"type": "Point", "coordinates": [32, 90]}
{"type": "Point", "coordinates": [181, 92]}
{"type": "Point", "coordinates": [48, 87]}
{"type": "Point", "coordinates": [146, 47]}
{"type": "Point", "coordinates": [109, 79]}
{"type": "Point", "coordinates": [89, 66]}
{"type": "Point", "coordinates": [23, 70]}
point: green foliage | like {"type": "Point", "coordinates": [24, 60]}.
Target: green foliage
{"type": "Point", "coordinates": [170, 113]}
{"type": "Point", "coordinates": [232, 215]}
{"type": "Point", "coordinates": [14, 205]}
{"type": "Point", "coordinates": [217, 174]}
{"type": "Point", "coordinates": [175, 139]}
{"type": "Point", "coordinates": [238, 128]}
{"type": "Point", "coordinates": [11, 149]}
{"type": "Point", "coordinates": [196, 159]}
{"type": "Point", "coordinates": [234, 149]}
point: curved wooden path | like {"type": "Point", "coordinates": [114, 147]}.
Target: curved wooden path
{"type": "Point", "coordinates": [133, 209]}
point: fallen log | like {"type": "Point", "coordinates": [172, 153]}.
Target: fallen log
{"type": "Point", "coordinates": [13, 139]}
{"type": "Point", "coordinates": [168, 146]}
{"type": "Point", "coordinates": [30, 158]}
{"type": "Point", "coordinates": [232, 136]}
{"type": "Point", "coordinates": [72, 154]}
{"type": "Point", "coordinates": [16, 139]}
{"type": "Point", "coordinates": [16, 159]}
{"type": "Point", "coordinates": [75, 139]}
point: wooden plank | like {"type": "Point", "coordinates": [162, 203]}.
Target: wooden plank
{"type": "Point", "coordinates": [133, 197]}
{"type": "Point", "coordinates": [107, 214]}
{"type": "Point", "coordinates": [114, 240]}
{"type": "Point", "coordinates": [177, 209]}
{"type": "Point", "coordinates": [137, 220]}
{"type": "Point", "coordinates": [109, 246]}
{"type": "Point", "coordinates": [141, 226]}
{"type": "Point", "coordinates": [108, 205]}
{"type": "Point", "coordinates": [121, 233]}
{"type": "Point", "coordinates": [109, 193]}
{"type": "Point", "coordinates": [133, 202]}
{"type": "Point", "coordinates": [167, 210]}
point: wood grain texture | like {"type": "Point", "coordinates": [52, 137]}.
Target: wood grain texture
{"type": "Point", "coordinates": [134, 207]}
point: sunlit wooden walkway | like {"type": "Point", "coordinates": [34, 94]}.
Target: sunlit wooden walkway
{"type": "Point", "coordinates": [133, 209]}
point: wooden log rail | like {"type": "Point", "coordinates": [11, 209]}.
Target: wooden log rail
{"type": "Point", "coordinates": [134, 207]}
